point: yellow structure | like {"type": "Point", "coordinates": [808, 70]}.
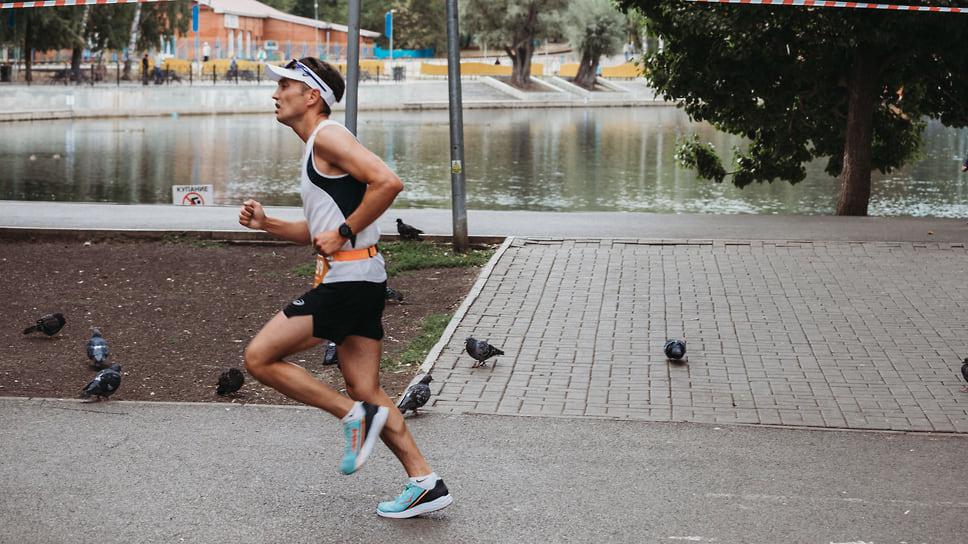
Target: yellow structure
{"type": "Point", "coordinates": [476, 69]}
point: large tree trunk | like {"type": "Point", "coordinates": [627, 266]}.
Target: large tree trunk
{"type": "Point", "coordinates": [521, 52]}
{"type": "Point", "coordinates": [132, 42]}
{"type": "Point", "coordinates": [521, 69]}
{"type": "Point", "coordinates": [855, 188]}
{"type": "Point", "coordinates": [587, 72]}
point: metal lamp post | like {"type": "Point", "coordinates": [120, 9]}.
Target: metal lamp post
{"type": "Point", "coordinates": [389, 32]}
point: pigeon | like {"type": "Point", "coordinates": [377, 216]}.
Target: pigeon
{"type": "Point", "coordinates": [964, 372]}
{"type": "Point", "coordinates": [408, 232]}
{"type": "Point", "coordinates": [416, 396]}
{"type": "Point", "coordinates": [230, 381]}
{"type": "Point", "coordinates": [104, 384]}
{"type": "Point", "coordinates": [332, 356]}
{"type": "Point", "coordinates": [49, 324]}
{"type": "Point", "coordinates": [480, 350]}
{"type": "Point", "coordinates": [393, 294]}
{"type": "Point", "coordinates": [97, 348]}
{"type": "Point", "coordinates": [675, 349]}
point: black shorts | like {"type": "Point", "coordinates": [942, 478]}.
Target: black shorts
{"type": "Point", "coordinates": [351, 308]}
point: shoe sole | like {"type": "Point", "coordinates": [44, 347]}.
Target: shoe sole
{"type": "Point", "coordinates": [376, 427]}
{"type": "Point", "coordinates": [437, 504]}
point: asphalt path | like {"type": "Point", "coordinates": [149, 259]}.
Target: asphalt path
{"type": "Point", "coordinates": [154, 472]}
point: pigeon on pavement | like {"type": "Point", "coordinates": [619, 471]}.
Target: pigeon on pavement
{"type": "Point", "coordinates": [97, 348]}
{"type": "Point", "coordinates": [964, 372]}
{"type": "Point", "coordinates": [408, 232]}
{"type": "Point", "coordinates": [675, 349]}
{"type": "Point", "coordinates": [393, 294]}
{"type": "Point", "coordinates": [230, 381]}
{"type": "Point", "coordinates": [332, 356]}
{"type": "Point", "coordinates": [49, 324]}
{"type": "Point", "coordinates": [104, 384]}
{"type": "Point", "coordinates": [416, 396]}
{"type": "Point", "coordinates": [480, 350]}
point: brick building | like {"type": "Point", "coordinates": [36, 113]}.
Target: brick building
{"type": "Point", "coordinates": [248, 29]}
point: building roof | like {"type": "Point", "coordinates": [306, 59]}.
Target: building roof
{"type": "Point", "coordinates": [252, 8]}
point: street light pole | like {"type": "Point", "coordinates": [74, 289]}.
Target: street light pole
{"type": "Point", "coordinates": [389, 31]}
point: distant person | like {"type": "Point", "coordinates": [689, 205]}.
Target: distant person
{"type": "Point", "coordinates": [964, 167]}
{"type": "Point", "coordinates": [233, 68]}
{"type": "Point", "coordinates": [144, 69]}
{"type": "Point", "coordinates": [206, 52]}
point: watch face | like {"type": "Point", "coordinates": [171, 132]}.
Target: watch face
{"type": "Point", "coordinates": [344, 230]}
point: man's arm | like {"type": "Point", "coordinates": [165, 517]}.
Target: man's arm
{"type": "Point", "coordinates": [341, 151]}
{"type": "Point", "coordinates": [254, 217]}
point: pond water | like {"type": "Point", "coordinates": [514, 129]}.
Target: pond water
{"type": "Point", "coordinates": [604, 159]}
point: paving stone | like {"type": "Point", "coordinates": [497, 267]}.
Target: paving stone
{"type": "Point", "coordinates": [858, 335]}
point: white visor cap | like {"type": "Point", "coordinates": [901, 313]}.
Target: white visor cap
{"type": "Point", "coordinates": [300, 72]}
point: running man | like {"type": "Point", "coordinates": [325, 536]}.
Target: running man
{"type": "Point", "coordinates": [344, 188]}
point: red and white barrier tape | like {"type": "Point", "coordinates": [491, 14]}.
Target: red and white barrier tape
{"type": "Point", "coordinates": [829, 4]}
{"type": "Point", "coordinates": [57, 3]}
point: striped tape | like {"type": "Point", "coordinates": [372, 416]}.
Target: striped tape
{"type": "Point", "coordinates": [829, 4]}
{"type": "Point", "coordinates": [57, 3]}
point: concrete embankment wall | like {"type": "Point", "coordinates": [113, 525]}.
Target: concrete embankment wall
{"type": "Point", "coordinates": [19, 102]}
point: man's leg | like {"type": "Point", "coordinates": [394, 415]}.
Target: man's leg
{"type": "Point", "coordinates": [280, 338]}
{"type": "Point", "coordinates": [359, 360]}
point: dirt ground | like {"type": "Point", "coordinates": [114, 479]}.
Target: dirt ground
{"type": "Point", "coordinates": [176, 315]}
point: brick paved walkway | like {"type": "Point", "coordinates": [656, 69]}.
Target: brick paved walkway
{"type": "Point", "coordinates": [829, 334]}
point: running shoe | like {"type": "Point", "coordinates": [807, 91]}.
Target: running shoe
{"type": "Point", "coordinates": [361, 435]}
{"type": "Point", "coordinates": [416, 500]}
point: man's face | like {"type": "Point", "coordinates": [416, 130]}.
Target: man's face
{"type": "Point", "coordinates": [290, 98]}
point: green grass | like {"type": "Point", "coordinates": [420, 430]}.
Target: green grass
{"type": "Point", "coordinates": [414, 354]}
{"type": "Point", "coordinates": [404, 256]}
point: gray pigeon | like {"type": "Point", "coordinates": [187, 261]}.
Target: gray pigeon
{"type": "Point", "coordinates": [480, 350]}
{"type": "Point", "coordinates": [964, 372]}
{"type": "Point", "coordinates": [230, 381]}
{"type": "Point", "coordinates": [393, 294]}
{"type": "Point", "coordinates": [675, 349]}
{"type": "Point", "coordinates": [97, 348]}
{"type": "Point", "coordinates": [104, 384]}
{"type": "Point", "coordinates": [408, 232]}
{"type": "Point", "coordinates": [49, 324]}
{"type": "Point", "coordinates": [332, 356]}
{"type": "Point", "coordinates": [416, 396]}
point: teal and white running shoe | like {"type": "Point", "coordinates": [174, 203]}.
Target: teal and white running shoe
{"type": "Point", "coordinates": [416, 500]}
{"type": "Point", "coordinates": [361, 435]}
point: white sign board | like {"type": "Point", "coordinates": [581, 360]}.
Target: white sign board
{"type": "Point", "coordinates": [193, 195]}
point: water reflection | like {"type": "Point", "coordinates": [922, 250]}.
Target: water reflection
{"type": "Point", "coordinates": [615, 159]}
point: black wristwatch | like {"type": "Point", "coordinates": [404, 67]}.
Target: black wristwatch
{"type": "Point", "coordinates": [346, 232]}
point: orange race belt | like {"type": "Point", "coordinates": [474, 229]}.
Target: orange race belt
{"type": "Point", "coordinates": [322, 263]}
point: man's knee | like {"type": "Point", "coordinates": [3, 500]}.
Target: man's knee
{"type": "Point", "coordinates": [256, 362]}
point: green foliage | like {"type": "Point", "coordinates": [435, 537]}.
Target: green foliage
{"type": "Point", "coordinates": [803, 83]}
{"type": "Point", "coordinates": [415, 353]}
{"type": "Point", "coordinates": [702, 157]}
{"type": "Point", "coordinates": [595, 28]}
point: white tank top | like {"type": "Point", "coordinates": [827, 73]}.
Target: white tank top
{"type": "Point", "coordinates": [327, 202]}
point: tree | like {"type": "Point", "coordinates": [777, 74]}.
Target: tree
{"type": "Point", "coordinates": [851, 86]}
{"type": "Point", "coordinates": [420, 24]}
{"type": "Point", "coordinates": [513, 25]}
{"type": "Point", "coordinates": [594, 28]}
{"type": "Point", "coordinates": [41, 29]}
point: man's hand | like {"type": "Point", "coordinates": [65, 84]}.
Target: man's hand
{"type": "Point", "coordinates": [252, 215]}
{"type": "Point", "coordinates": [964, 168]}
{"type": "Point", "coordinates": [328, 242]}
